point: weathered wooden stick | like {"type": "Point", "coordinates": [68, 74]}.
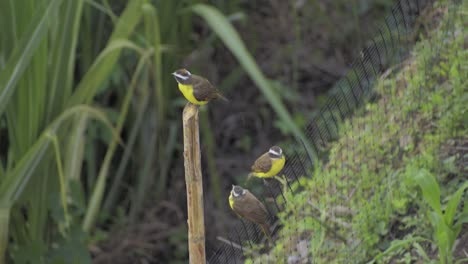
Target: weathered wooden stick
{"type": "Point", "coordinates": [194, 183]}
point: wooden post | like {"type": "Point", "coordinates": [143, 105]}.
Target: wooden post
{"type": "Point", "coordinates": [194, 183]}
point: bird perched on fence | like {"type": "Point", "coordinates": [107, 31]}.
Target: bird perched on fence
{"type": "Point", "coordinates": [246, 205]}
{"type": "Point", "coordinates": [196, 89]}
{"type": "Point", "coordinates": [269, 164]}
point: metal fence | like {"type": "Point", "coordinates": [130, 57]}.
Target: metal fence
{"type": "Point", "coordinates": [394, 38]}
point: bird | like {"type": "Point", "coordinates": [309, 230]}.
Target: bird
{"type": "Point", "coordinates": [247, 206]}
{"type": "Point", "coordinates": [196, 89]}
{"type": "Point", "coordinates": [269, 164]}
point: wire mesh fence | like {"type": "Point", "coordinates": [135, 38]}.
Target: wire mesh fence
{"type": "Point", "coordinates": [387, 51]}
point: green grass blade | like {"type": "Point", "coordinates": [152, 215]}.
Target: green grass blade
{"type": "Point", "coordinates": [4, 223]}
{"type": "Point", "coordinates": [98, 192]}
{"type": "Point", "coordinates": [100, 70]}
{"type": "Point", "coordinates": [210, 145]}
{"type": "Point", "coordinates": [152, 34]}
{"type": "Point", "coordinates": [63, 53]}
{"type": "Point", "coordinates": [14, 182]}
{"type": "Point", "coordinates": [62, 183]}
{"type": "Point", "coordinates": [127, 156]}
{"type": "Point", "coordinates": [75, 148]}
{"type": "Point", "coordinates": [168, 152]}
{"type": "Point", "coordinates": [396, 245]}
{"type": "Point", "coordinates": [145, 180]}
{"type": "Point", "coordinates": [223, 28]}
{"type": "Point", "coordinates": [24, 51]}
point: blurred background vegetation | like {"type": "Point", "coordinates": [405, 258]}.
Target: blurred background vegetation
{"type": "Point", "coordinates": [90, 138]}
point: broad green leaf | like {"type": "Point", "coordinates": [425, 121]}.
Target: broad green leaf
{"type": "Point", "coordinates": [223, 28]}
{"type": "Point", "coordinates": [453, 204]}
{"type": "Point", "coordinates": [463, 218]}
{"type": "Point", "coordinates": [430, 189]}
{"type": "Point", "coordinates": [443, 238]}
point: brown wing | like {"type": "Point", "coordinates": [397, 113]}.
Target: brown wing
{"type": "Point", "coordinates": [249, 207]}
{"type": "Point", "coordinates": [203, 90]}
{"type": "Point", "coordinates": [262, 164]}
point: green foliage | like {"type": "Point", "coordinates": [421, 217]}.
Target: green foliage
{"type": "Point", "coordinates": [364, 190]}
{"type": "Point", "coordinates": [446, 230]}
{"type": "Point", "coordinates": [40, 106]}
{"type": "Point", "coordinates": [398, 247]}
{"type": "Point", "coordinates": [52, 169]}
{"type": "Point", "coordinates": [59, 59]}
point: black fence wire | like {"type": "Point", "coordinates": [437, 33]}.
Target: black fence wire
{"type": "Point", "coordinates": [394, 38]}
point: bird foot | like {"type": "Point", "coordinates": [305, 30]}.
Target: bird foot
{"type": "Point", "coordinates": [282, 179]}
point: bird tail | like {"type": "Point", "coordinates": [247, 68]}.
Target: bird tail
{"type": "Point", "coordinates": [266, 230]}
{"type": "Point", "coordinates": [220, 96]}
{"type": "Point", "coordinates": [249, 176]}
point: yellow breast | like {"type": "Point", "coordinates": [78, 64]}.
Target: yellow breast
{"type": "Point", "coordinates": [187, 91]}
{"type": "Point", "coordinates": [276, 166]}
{"type": "Point", "coordinates": [231, 201]}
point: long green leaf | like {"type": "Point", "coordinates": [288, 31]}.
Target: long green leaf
{"type": "Point", "coordinates": [23, 52]}
{"type": "Point", "coordinates": [152, 33]}
{"type": "Point", "coordinates": [62, 183]}
{"type": "Point", "coordinates": [396, 245]}
{"type": "Point", "coordinates": [4, 223]}
{"type": "Point", "coordinates": [430, 189]}
{"type": "Point", "coordinates": [442, 236]}
{"type": "Point", "coordinates": [63, 62]}
{"type": "Point", "coordinates": [127, 155]}
{"type": "Point", "coordinates": [223, 28]}
{"type": "Point", "coordinates": [101, 69]}
{"type": "Point", "coordinates": [98, 191]}
{"type": "Point", "coordinates": [75, 148]}
{"type": "Point", "coordinates": [453, 204]}
{"type": "Point", "coordinates": [14, 182]}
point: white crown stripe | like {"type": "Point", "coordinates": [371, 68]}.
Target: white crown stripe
{"type": "Point", "coordinates": [275, 153]}
{"type": "Point", "coordinates": [181, 76]}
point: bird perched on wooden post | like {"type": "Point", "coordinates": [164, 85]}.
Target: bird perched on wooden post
{"type": "Point", "coordinates": [196, 89]}
{"type": "Point", "coordinates": [247, 206]}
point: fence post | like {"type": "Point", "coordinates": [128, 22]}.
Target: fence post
{"type": "Point", "coordinates": [194, 184]}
